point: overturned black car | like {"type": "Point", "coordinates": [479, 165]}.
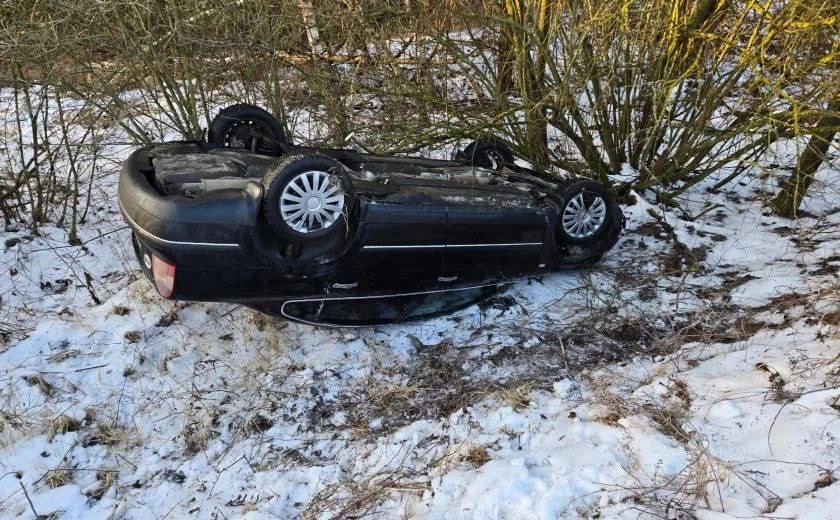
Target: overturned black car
{"type": "Point", "coordinates": [338, 237]}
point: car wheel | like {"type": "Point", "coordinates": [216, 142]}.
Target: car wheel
{"type": "Point", "coordinates": [487, 153]}
{"type": "Point", "coordinates": [306, 198]}
{"type": "Point", "coordinates": [233, 127]}
{"type": "Point", "coordinates": [586, 212]}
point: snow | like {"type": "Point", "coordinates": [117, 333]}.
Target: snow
{"type": "Point", "coordinates": [626, 175]}
{"type": "Point", "coordinates": [649, 386]}
{"type": "Point", "coordinates": [553, 466]}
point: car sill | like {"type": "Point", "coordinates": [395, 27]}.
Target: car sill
{"type": "Point", "coordinates": [383, 296]}
{"type": "Point", "coordinates": [447, 246]}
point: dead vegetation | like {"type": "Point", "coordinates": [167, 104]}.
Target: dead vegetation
{"type": "Point", "coordinates": [362, 497]}
{"type": "Point", "coordinates": [105, 479]}
{"type": "Point", "coordinates": [679, 495]}
{"type": "Point", "coordinates": [434, 386]}
{"type": "Point", "coordinates": [108, 434]}
{"type": "Point", "coordinates": [61, 425]}
{"type": "Point", "coordinates": [40, 382]}
{"type": "Point", "coordinates": [359, 499]}
{"type": "Point", "coordinates": [432, 391]}
{"type": "Point", "coordinates": [58, 477]}
{"type": "Point", "coordinates": [404, 76]}
{"type": "Point", "coordinates": [669, 411]}
{"type": "Point", "coordinates": [199, 428]}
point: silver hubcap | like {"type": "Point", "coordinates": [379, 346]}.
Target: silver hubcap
{"type": "Point", "coordinates": [312, 201]}
{"type": "Point", "coordinates": [582, 221]}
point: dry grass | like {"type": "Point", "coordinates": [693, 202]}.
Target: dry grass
{"type": "Point", "coordinates": [434, 386]}
{"type": "Point", "coordinates": [360, 499]}
{"type": "Point", "coordinates": [105, 478]}
{"type": "Point", "coordinates": [196, 435]}
{"type": "Point", "coordinates": [391, 394]}
{"type": "Point", "coordinates": [517, 395]}
{"type": "Point", "coordinates": [41, 383]}
{"type": "Point", "coordinates": [61, 425]}
{"type": "Point", "coordinates": [60, 357]}
{"type": "Point", "coordinates": [458, 454]}
{"type": "Point", "coordinates": [56, 478]}
{"type": "Point", "coordinates": [109, 434]}
{"type": "Point", "coordinates": [669, 412]}
{"type": "Point", "coordinates": [477, 455]}
{"type": "Point", "coordinates": [697, 484]}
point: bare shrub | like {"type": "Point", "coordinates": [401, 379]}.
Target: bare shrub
{"type": "Point", "coordinates": [676, 91]}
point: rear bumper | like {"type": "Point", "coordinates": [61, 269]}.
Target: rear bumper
{"type": "Point", "coordinates": [222, 224]}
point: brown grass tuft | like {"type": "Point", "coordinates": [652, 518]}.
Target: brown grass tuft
{"type": "Point", "coordinates": [108, 434]}
{"type": "Point", "coordinates": [56, 478]}
{"type": "Point", "coordinates": [61, 425]}
{"type": "Point", "coordinates": [517, 396]}
{"type": "Point", "coordinates": [43, 385]}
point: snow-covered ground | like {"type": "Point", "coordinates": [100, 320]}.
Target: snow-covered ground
{"type": "Point", "coordinates": [694, 373]}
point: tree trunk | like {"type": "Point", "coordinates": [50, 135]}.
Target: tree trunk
{"type": "Point", "coordinates": [786, 203]}
{"type": "Point", "coordinates": [312, 33]}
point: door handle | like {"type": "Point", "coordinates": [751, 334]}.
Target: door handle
{"type": "Point", "coordinates": [447, 278]}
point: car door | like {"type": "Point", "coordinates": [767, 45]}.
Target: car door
{"type": "Point", "coordinates": [493, 233]}
{"type": "Point", "coordinates": [401, 245]}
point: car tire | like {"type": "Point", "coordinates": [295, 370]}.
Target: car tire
{"type": "Point", "coordinates": [231, 126]}
{"type": "Point", "coordinates": [298, 181]}
{"type": "Point", "coordinates": [587, 210]}
{"type": "Point", "coordinates": [487, 153]}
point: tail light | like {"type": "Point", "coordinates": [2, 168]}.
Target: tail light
{"type": "Point", "coordinates": [164, 276]}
